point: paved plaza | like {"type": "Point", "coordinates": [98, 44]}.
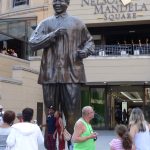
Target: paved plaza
{"type": "Point", "coordinates": [104, 137]}
{"type": "Point", "coordinates": [102, 142]}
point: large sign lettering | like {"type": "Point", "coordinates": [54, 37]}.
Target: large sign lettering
{"type": "Point", "coordinates": [115, 9]}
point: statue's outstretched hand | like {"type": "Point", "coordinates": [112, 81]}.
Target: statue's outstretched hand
{"type": "Point", "coordinates": [60, 31]}
{"type": "Point", "coordinates": [81, 54]}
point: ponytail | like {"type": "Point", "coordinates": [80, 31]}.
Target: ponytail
{"type": "Point", "coordinates": [123, 133]}
{"type": "Point", "coordinates": [127, 141]}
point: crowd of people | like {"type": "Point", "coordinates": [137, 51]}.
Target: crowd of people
{"type": "Point", "coordinates": [83, 135]}
{"type": "Point", "coordinates": [25, 132]}
{"type": "Point", "coordinates": [10, 52]}
{"type": "Point", "coordinates": [26, 135]}
{"type": "Point", "coordinates": [22, 135]}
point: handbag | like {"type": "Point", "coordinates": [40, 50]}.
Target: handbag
{"type": "Point", "coordinates": [67, 135]}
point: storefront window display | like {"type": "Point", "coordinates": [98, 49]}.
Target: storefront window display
{"type": "Point", "coordinates": [15, 33]}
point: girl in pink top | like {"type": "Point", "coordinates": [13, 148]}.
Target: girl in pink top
{"type": "Point", "coordinates": [123, 141]}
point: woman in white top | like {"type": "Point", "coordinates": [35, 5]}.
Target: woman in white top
{"type": "Point", "coordinates": [139, 130]}
{"type": "Point", "coordinates": [8, 118]}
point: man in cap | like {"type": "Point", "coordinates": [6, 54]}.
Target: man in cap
{"type": "Point", "coordinates": [83, 136]}
{"type": "Point", "coordinates": [50, 137]}
{"type": "Point", "coordinates": [66, 42]}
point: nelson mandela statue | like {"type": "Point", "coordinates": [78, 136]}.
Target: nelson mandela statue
{"type": "Point", "coordinates": [66, 42]}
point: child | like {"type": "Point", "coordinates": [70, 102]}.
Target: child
{"type": "Point", "coordinates": [123, 140]}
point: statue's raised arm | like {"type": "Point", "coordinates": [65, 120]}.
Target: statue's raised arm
{"type": "Point", "coordinates": [40, 38]}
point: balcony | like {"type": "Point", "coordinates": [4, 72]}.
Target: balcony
{"type": "Point", "coordinates": [118, 64]}
{"type": "Point", "coordinates": [122, 50]}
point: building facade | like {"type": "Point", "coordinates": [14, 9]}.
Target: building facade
{"type": "Point", "coordinates": [118, 74]}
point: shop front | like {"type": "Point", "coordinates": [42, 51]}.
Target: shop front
{"type": "Point", "coordinates": [14, 35]}
{"type": "Point", "coordinates": [113, 103]}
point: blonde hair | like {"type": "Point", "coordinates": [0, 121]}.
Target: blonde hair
{"type": "Point", "coordinates": [137, 118]}
{"type": "Point", "coordinates": [59, 113]}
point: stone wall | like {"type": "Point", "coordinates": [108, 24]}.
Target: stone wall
{"type": "Point", "coordinates": [18, 85]}
{"type": "Point", "coordinates": [7, 62]}
{"type": "Point", "coordinates": [117, 69]}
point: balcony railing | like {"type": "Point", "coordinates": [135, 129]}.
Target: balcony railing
{"type": "Point", "coordinates": [122, 50]}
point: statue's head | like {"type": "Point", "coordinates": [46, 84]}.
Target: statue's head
{"type": "Point", "coordinates": [60, 6]}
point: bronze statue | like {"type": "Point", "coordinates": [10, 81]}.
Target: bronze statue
{"type": "Point", "coordinates": [66, 41]}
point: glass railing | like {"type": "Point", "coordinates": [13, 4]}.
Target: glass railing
{"type": "Point", "coordinates": [122, 50]}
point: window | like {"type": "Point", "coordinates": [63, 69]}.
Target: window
{"type": "Point", "coordinates": [20, 2]}
{"type": "Point", "coordinates": [97, 101]}
{"type": "Point", "coordinates": [15, 31]}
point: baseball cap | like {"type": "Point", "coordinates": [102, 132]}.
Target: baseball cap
{"type": "Point", "coordinates": [51, 107]}
{"type": "Point", "coordinates": [19, 114]}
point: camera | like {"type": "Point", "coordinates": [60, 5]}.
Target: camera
{"type": "Point", "coordinates": [95, 137]}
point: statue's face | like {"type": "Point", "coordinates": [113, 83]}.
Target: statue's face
{"type": "Point", "coordinates": [60, 6]}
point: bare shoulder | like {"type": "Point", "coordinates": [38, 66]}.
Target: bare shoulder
{"type": "Point", "coordinates": [79, 124]}
{"type": "Point", "coordinates": [78, 130]}
{"type": "Point", "coordinates": [133, 129]}
{"type": "Point", "coordinates": [134, 126]}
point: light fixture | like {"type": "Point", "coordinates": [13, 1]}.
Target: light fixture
{"type": "Point", "coordinates": [127, 94]}
{"type": "Point", "coordinates": [137, 101]}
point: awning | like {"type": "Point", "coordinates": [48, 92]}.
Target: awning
{"type": "Point", "coordinates": [4, 37]}
{"type": "Point", "coordinates": [16, 28]}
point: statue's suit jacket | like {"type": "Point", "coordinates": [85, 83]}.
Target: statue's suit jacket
{"type": "Point", "coordinates": [60, 62]}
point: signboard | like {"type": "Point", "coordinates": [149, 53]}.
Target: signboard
{"type": "Point", "coordinates": [114, 10]}
{"type": "Point", "coordinates": [124, 106]}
